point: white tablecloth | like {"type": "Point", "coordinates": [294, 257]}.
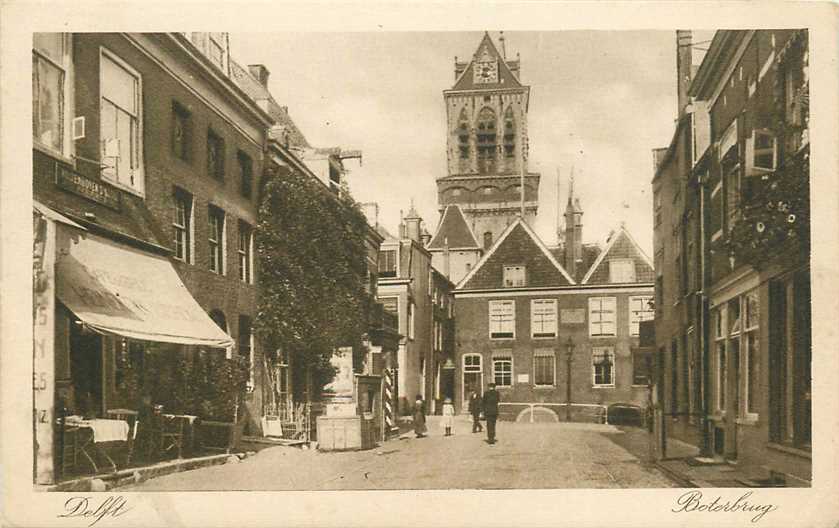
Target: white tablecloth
{"type": "Point", "coordinates": [104, 430]}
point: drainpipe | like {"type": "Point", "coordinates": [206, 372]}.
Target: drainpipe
{"type": "Point", "coordinates": [704, 334]}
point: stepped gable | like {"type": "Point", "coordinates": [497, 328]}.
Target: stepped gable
{"type": "Point", "coordinates": [487, 50]}
{"type": "Point", "coordinates": [517, 245]}
{"type": "Point", "coordinates": [621, 246]}
{"type": "Point", "coordinates": [453, 229]}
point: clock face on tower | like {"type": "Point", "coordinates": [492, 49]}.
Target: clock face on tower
{"type": "Point", "coordinates": [486, 71]}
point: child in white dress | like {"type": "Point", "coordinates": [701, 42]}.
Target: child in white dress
{"type": "Point", "coordinates": [448, 416]}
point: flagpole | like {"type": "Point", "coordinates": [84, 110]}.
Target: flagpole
{"type": "Point", "coordinates": [521, 142]}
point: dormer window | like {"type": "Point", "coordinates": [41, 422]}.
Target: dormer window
{"type": "Point", "coordinates": [514, 276]}
{"type": "Point", "coordinates": [621, 270]}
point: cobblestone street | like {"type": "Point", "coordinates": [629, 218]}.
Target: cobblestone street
{"type": "Point", "coordinates": [526, 456]}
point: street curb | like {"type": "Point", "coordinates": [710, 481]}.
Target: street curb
{"type": "Point", "coordinates": [679, 478]}
{"type": "Point", "coordinates": [130, 476]}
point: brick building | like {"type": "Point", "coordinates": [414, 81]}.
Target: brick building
{"type": "Point", "coordinates": [548, 339]}
{"type": "Point", "coordinates": [732, 256]}
{"type": "Point", "coordinates": [148, 155]}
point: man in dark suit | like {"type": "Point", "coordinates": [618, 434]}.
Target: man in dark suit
{"type": "Point", "coordinates": [491, 400]}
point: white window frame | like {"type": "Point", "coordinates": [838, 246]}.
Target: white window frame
{"type": "Point", "coordinates": [720, 373]}
{"type": "Point", "coordinates": [610, 352]}
{"type": "Point", "coordinates": [246, 254]}
{"type": "Point", "coordinates": [630, 262]}
{"type": "Point", "coordinates": [66, 108]}
{"type": "Point", "coordinates": [514, 282]}
{"type": "Point", "coordinates": [504, 357]}
{"type": "Point", "coordinates": [496, 305]}
{"type": "Point", "coordinates": [470, 370]}
{"type": "Point", "coordinates": [746, 332]}
{"type": "Point", "coordinates": [591, 320]}
{"type": "Point", "coordinates": [184, 230]}
{"type": "Point", "coordinates": [551, 328]}
{"type": "Point", "coordinates": [636, 316]}
{"type": "Point", "coordinates": [411, 319]}
{"type": "Point", "coordinates": [220, 244]}
{"type": "Point", "coordinates": [545, 352]}
{"type": "Point", "coordinates": [138, 173]}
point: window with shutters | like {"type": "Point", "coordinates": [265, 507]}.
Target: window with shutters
{"type": "Point", "coordinates": [543, 318]}
{"type": "Point", "coordinates": [502, 319]}
{"type": "Point", "coordinates": [601, 316]}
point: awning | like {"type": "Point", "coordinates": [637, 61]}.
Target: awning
{"type": "Point", "coordinates": [55, 216]}
{"type": "Point", "coordinates": [116, 289]}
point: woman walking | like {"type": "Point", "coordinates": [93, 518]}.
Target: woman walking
{"type": "Point", "coordinates": [448, 416]}
{"type": "Point", "coordinates": [419, 417]}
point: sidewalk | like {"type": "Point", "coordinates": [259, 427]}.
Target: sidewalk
{"type": "Point", "coordinates": [684, 464]}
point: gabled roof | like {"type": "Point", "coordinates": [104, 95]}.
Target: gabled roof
{"type": "Point", "coordinates": [517, 245]}
{"type": "Point", "coordinates": [506, 78]}
{"type": "Point", "coordinates": [621, 246]}
{"type": "Point", "coordinates": [454, 231]}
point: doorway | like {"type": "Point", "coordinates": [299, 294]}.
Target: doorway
{"type": "Point", "coordinates": [86, 371]}
{"type": "Point", "coordinates": [473, 377]}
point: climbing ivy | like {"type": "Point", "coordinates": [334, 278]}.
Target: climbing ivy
{"type": "Point", "coordinates": [313, 267]}
{"type": "Point", "coordinates": [775, 221]}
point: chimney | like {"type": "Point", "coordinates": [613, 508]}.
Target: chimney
{"type": "Point", "coordinates": [413, 223]}
{"type": "Point", "coordinates": [684, 68]}
{"type": "Point", "coordinates": [260, 73]}
{"type": "Point", "coordinates": [371, 212]}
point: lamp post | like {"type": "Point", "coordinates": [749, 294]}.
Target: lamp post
{"type": "Point", "coordinates": [569, 357]}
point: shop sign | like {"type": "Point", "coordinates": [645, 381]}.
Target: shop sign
{"type": "Point", "coordinates": [43, 360]}
{"type": "Point", "coordinates": [97, 191]}
{"type": "Point", "coordinates": [572, 315]}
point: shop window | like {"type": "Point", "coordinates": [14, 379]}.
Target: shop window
{"type": "Point", "coordinates": [182, 225]}
{"type": "Point", "coordinates": [751, 344]}
{"type": "Point", "coordinates": [601, 316]}
{"type": "Point", "coordinates": [502, 319]}
{"type": "Point", "coordinates": [216, 239]}
{"type": "Point", "coordinates": [720, 370]}
{"type": "Point", "coordinates": [603, 366]}
{"type": "Point", "coordinates": [502, 370]}
{"type": "Point", "coordinates": [120, 124]}
{"type": "Point", "coordinates": [543, 318]}
{"type": "Point", "coordinates": [51, 66]}
{"type": "Point", "coordinates": [215, 156]}
{"type": "Point", "coordinates": [544, 368]}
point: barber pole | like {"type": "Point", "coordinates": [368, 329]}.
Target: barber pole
{"type": "Point", "coordinates": [388, 400]}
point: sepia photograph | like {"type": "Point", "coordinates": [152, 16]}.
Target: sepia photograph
{"type": "Point", "coordinates": [488, 259]}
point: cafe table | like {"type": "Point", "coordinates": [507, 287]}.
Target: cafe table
{"type": "Point", "coordinates": [103, 431]}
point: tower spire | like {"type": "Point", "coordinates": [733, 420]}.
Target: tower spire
{"type": "Point", "coordinates": [503, 46]}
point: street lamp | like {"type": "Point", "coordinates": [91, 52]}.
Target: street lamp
{"type": "Point", "coordinates": [569, 357]}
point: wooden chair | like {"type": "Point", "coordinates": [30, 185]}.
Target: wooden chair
{"type": "Point", "coordinates": [171, 435]}
{"type": "Point", "coordinates": [69, 451]}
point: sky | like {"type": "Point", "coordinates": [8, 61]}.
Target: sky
{"type": "Point", "coordinates": [600, 101]}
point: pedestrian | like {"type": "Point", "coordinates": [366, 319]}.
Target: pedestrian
{"type": "Point", "coordinates": [448, 416]}
{"type": "Point", "coordinates": [490, 402]}
{"type": "Point", "coordinates": [475, 411]}
{"type": "Point", "coordinates": [419, 417]}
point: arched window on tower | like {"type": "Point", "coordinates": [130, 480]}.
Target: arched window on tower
{"type": "Point", "coordinates": [487, 240]}
{"type": "Point", "coordinates": [463, 135]}
{"type": "Point", "coordinates": [509, 133]}
{"type": "Point", "coordinates": [487, 140]}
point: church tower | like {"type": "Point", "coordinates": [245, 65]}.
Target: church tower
{"type": "Point", "coordinates": [573, 260]}
{"type": "Point", "coordinates": [486, 112]}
